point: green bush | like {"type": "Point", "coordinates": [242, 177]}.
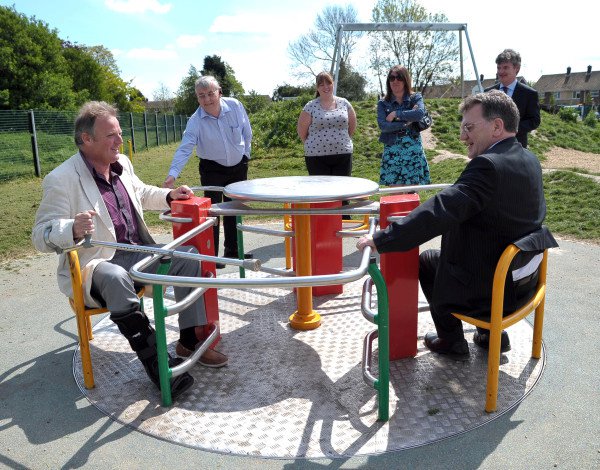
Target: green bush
{"type": "Point", "coordinates": [567, 115]}
{"type": "Point", "coordinates": [591, 120]}
{"type": "Point", "coordinates": [276, 125]}
{"type": "Point", "coordinates": [254, 103]}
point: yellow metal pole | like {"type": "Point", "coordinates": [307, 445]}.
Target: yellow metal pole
{"type": "Point", "coordinates": [287, 225]}
{"type": "Point", "coordinates": [305, 318]}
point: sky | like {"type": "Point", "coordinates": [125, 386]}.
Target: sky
{"type": "Point", "coordinates": [156, 41]}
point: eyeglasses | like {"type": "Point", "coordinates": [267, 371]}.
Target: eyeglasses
{"type": "Point", "coordinates": [210, 94]}
{"type": "Point", "coordinates": [393, 78]}
{"type": "Point", "coordinates": [469, 126]}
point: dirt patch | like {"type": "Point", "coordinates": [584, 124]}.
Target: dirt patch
{"type": "Point", "coordinates": [558, 157]}
{"type": "Point", "coordinates": [430, 143]}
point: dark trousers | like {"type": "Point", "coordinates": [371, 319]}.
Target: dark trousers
{"type": "Point", "coordinates": [334, 165]}
{"type": "Point", "coordinates": [114, 288]}
{"type": "Point", "coordinates": [215, 174]}
{"type": "Point", "coordinates": [447, 326]}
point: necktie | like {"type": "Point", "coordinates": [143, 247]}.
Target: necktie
{"type": "Point", "coordinates": [504, 89]}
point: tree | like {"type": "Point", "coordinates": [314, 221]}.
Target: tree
{"type": "Point", "coordinates": [289, 91]}
{"type": "Point", "coordinates": [428, 55]}
{"type": "Point", "coordinates": [39, 70]}
{"type": "Point", "coordinates": [164, 98]}
{"type": "Point", "coordinates": [33, 71]}
{"type": "Point", "coordinates": [312, 53]}
{"type": "Point", "coordinates": [185, 99]}
{"type": "Point", "coordinates": [351, 84]}
{"type": "Point", "coordinates": [223, 72]}
{"type": "Point", "coordinates": [104, 57]}
{"type": "Point", "coordinates": [86, 73]}
{"type": "Point", "coordinates": [235, 87]}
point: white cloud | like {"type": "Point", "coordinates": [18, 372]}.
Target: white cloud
{"type": "Point", "coordinates": [188, 41]}
{"type": "Point", "coordinates": [146, 53]}
{"type": "Point", "coordinates": [138, 6]}
{"type": "Point", "coordinates": [265, 24]}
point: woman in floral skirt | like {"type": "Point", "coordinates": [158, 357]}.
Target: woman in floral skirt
{"type": "Point", "coordinates": [403, 161]}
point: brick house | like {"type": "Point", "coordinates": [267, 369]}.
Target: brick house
{"type": "Point", "coordinates": [569, 88]}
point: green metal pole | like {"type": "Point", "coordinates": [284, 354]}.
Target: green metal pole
{"type": "Point", "coordinates": [160, 313]}
{"type": "Point", "coordinates": [382, 320]}
{"type": "Point", "coordinates": [240, 240]}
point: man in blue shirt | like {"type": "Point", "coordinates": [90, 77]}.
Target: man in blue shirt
{"type": "Point", "coordinates": [220, 131]}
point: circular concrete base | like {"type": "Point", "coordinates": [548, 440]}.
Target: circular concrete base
{"type": "Point", "coordinates": [300, 394]}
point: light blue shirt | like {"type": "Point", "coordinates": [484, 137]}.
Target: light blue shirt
{"type": "Point", "coordinates": [511, 88]}
{"type": "Point", "coordinates": [224, 139]}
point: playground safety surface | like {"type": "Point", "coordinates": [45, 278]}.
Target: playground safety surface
{"type": "Point", "coordinates": [300, 394]}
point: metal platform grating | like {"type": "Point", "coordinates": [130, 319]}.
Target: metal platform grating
{"type": "Point", "coordinates": [293, 394]}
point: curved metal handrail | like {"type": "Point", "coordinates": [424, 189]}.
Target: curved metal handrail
{"type": "Point", "coordinates": [241, 208]}
{"type": "Point", "coordinates": [265, 231]}
{"type": "Point", "coordinates": [368, 376]}
{"type": "Point", "coordinates": [167, 217]}
{"type": "Point", "coordinates": [138, 275]}
{"type": "Point", "coordinates": [189, 362]}
{"type": "Point", "coordinates": [412, 189]}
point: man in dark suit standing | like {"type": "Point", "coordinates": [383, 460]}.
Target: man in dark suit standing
{"type": "Point", "coordinates": [508, 64]}
{"type": "Point", "coordinates": [497, 199]}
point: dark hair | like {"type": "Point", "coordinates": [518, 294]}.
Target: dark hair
{"type": "Point", "coordinates": [404, 76]}
{"type": "Point", "coordinates": [509, 55]}
{"type": "Point", "coordinates": [494, 104]}
{"type": "Point", "coordinates": [86, 119]}
{"type": "Point", "coordinates": [322, 78]}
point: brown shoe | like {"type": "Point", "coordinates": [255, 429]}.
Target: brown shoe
{"type": "Point", "coordinates": [211, 358]}
{"type": "Point", "coordinates": [182, 351]}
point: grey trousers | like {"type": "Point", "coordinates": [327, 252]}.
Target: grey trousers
{"type": "Point", "coordinates": [113, 287]}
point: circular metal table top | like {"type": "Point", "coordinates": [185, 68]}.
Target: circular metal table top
{"type": "Point", "coordinates": [301, 189]}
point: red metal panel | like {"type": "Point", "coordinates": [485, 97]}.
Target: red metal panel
{"type": "Point", "coordinates": [196, 208]}
{"type": "Point", "coordinates": [401, 273]}
{"type": "Point", "coordinates": [325, 245]}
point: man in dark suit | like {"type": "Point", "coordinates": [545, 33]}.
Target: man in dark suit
{"type": "Point", "coordinates": [497, 199]}
{"type": "Point", "coordinates": [508, 64]}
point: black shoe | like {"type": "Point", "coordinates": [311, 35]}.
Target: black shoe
{"type": "Point", "coordinates": [457, 350]}
{"type": "Point", "coordinates": [483, 340]}
{"type": "Point", "coordinates": [179, 384]}
{"type": "Point", "coordinates": [135, 326]}
{"type": "Point", "coordinates": [220, 265]}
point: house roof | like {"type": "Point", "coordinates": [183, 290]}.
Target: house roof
{"type": "Point", "coordinates": [578, 81]}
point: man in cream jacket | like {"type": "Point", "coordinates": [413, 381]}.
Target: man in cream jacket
{"type": "Point", "coordinates": [97, 192]}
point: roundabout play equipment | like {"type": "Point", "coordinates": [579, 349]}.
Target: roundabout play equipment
{"type": "Point", "coordinates": [301, 192]}
{"type": "Point", "coordinates": [317, 196]}
{"type": "Point", "coordinates": [259, 288]}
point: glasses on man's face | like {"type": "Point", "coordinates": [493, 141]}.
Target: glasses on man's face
{"type": "Point", "coordinates": [393, 78]}
{"type": "Point", "coordinates": [468, 127]}
{"type": "Point", "coordinates": [210, 94]}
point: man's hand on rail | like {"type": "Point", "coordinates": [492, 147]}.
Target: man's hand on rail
{"type": "Point", "coordinates": [83, 224]}
{"type": "Point", "coordinates": [182, 192]}
{"type": "Point", "coordinates": [365, 241]}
